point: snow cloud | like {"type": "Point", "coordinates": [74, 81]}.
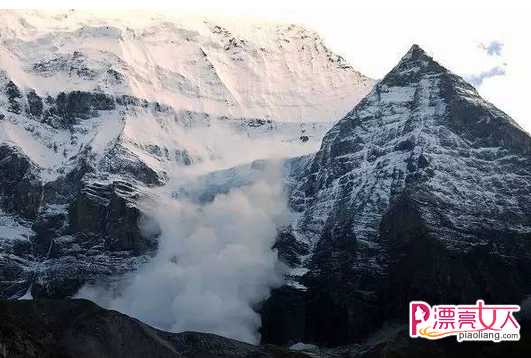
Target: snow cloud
{"type": "Point", "coordinates": [478, 79]}
{"type": "Point", "coordinates": [493, 48]}
{"type": "Point", "coordinates": [215, 261]}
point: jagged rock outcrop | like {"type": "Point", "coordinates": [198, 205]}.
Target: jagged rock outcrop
{"type": "Point", "coordinates": [20, 186]}
{"type": "Point", "coordinates": [98, 236]}
{"type": "Point", "coordinates": [423, 191]}
{"type": "Point", "coordinates": [66, 109]}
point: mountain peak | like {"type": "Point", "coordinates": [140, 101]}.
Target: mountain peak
{"type": "Point", "coordinates": [414, 52]}
{"type": "Point", "coordinates": [421, 162]}
{"type": "Point", "coordinates": [417, 53]}
{"type": "Point", "coordinates": [414, 64]}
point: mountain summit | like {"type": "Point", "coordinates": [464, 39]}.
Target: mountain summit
{"type": "Point", "coordinates": [423, 191]}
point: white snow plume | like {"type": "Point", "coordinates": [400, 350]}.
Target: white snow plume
{"type": "Point", "coordinates": [215, 261]}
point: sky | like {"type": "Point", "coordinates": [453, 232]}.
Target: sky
{"type": "Point", "coordinates": [487, 42]}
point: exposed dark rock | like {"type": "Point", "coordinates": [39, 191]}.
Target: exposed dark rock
{"type": "Point", "coordinates": [108, 211]}
{"type": "Point", "coordinates": [20, 186]}
{"type": "Point", "coordinates": [64, 189]}
{"type": "Point", "coordinates": [115, 75]}
{"type": "Point", "coordinates": [126, 100]}
{"type": "Point", "coordinates": [120, 160]}
{"type": "Point", "coordinates": [47, 227]}
{"type": "Point", "coordinates": [393, 341]}
{"type": "Point", "coordinates": [284, 317]}
{"type": "Point", "coordinates": [79, 328]}
{"type": "Point", "coordinates": [182, 156]}
{"type": "Point", "coordinates": [289, 249]}
{"type": "Point", "coordinates": [78, 104]}
{"type": "Point", "coordinates": [35, 104]}
{"type": "Point", "coordinates": [67, 108]}
{"type": "Point", "coordinates": [15, 270]}
{"type": "Point", "coordinates": [484, 125]}
{"type": "Point", "coordinates": [71, 65]}
{"type": "Point", "coordinates": [13, 96]}
{"type": "Point", "coordinates": [82, 231]}
{"type": "Point", "coordinates": [12, 90]}
{"type": "Point", "coordinates": [420, 265]}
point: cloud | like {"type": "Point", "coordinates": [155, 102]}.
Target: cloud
{"type": "Point", "coordinates": [493, 48]}
{"type": "Point", "coordinates": [215, 261]}
{"type": "Point", "coordinates": [478, 79]}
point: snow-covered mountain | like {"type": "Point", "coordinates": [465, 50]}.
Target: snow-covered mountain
{"type": "Point", "coordinates": [155, 85]}
{"type": "Point", "coordinates": [422, 192]}
{"type": "Point", "coordinates": [95, 109]}
{"type": "Point", "coordinates": [267, 71]}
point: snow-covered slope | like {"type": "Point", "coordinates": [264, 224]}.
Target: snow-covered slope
{"type": "Point", "coordinates": [267, 71]}
{"type": "Point", "coordinates": [161, 90]}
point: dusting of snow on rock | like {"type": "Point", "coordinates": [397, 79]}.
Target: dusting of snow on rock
{"type": "Point", "coordinates": [421, 130]}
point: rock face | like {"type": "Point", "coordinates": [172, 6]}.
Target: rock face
{"type": "Point", "coordinates": [63, 220]}
{"type": "Point", "coordinates": [79, 328]}
{"type": "Point", "coordinates": [423, 191]}
{"type": "Point", "coordinates": [20, 186]}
